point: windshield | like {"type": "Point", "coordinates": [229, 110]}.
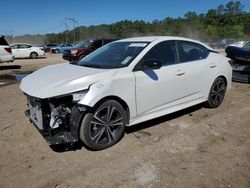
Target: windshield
{"type": "Point", "coordinates": [113, 55]}
{"type": "Point", "coordinates": [85, 44]}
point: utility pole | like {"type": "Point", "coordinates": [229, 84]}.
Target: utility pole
{"type": "Point", "coordinates": [74, 24]}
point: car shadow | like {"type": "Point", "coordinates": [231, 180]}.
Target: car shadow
{"type": "Point", "coordinates": [156, 121]}
{"type": "Point", "coordinates": [10, 67]}
{"type": "Point", "coordinates": [60, 148]}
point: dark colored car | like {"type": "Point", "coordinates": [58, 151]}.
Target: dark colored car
{"type": "Point", "coordinates": [47, 47]}
{"type": "Point", "coordinates": [223, 43]}
{"type": "Point", "coordinates": [240, 61]}
{"type": "Point", "coordinates": [84, 48]}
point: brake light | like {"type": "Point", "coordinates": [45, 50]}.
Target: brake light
{"type": "Point", "coordinates": [8, 50]}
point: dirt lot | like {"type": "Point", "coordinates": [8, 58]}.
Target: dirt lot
{"type": "Point", "coordinates": [197, 147]}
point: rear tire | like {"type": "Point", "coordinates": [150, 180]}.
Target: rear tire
{"type": "Point", "coordinates": [33, 55]}
{"type": "Point", "coordinates": [217, 93]}
{"type": "Point", "coordinates": [104, 127]}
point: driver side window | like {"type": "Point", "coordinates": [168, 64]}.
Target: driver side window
{"type": "Point", "coordinates": [164, 52]}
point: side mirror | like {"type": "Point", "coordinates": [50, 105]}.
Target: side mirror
{"type": "Point", "coordinates": [151, 64]}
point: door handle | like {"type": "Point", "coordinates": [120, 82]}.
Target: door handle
{"type": "Point", "coordinates": [180, 72]}
{"type": "Point", "coordinates": [212, 65]}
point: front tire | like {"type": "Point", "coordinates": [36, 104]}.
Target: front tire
{"type": "Point", "coordinates": [104, 127]}
{"type": "Point", "coordinates": [217, 93]}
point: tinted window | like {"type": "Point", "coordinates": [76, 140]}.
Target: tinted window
{"type": "Point", "coordinates": [164, 52]}
{"type": "Point", "coordinates": [3, 41]}
{"type": "Point", "coordinates": [15, 46]}
{"type": "Point", "coordinates": [247, 45]}
{"type": "Point", "coordinates": [24, 46]}
{"type": "Point", "coordinates": [191, 51]}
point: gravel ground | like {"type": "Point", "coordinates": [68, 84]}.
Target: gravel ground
{"type": "Point", "coordinates": [196, 147]}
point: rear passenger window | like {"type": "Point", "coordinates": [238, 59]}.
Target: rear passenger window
{"type": "Point", "coordinates": [190, 51]}
{"type": "Point", "coordinates": [164, 52]}
{"type": "Point", "coordinates": [24, 46]}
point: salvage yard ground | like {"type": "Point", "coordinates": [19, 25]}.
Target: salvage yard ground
{"type": "Point", "coordinates": [196, 147]}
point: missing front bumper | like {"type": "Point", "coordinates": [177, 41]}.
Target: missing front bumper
{"type": "Point", "coordinates": [54, 137]}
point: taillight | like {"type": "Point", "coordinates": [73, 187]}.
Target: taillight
{"type": "Point", "coordinates": [8, 50]}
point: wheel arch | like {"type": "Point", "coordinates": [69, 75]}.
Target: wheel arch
{"type": "Point", "coordinates": [117, 99]}
{"type": "Point", "coordinates": [212, 81]}
{"type": "Point", "coordinates": [224, 78]}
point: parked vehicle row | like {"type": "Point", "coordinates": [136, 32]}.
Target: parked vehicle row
{"type": "Point", "coordinates": [84, 48]}
{"type": "Point", "coordinates": [122, 84]}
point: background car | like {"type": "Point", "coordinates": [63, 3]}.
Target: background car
{"type": "Point", "coordinates": [46, 47]}
{"type": "Point", "coordinates": [240, 60]}
{"type": "Point", "coordinates": [5, 51]}
{"type": "Point", "coordinates": [223, 43]}
{"type": "Point", "coordinates": [124, 83]}
{"type": "Point", "coordinates": [23, 50]}
{"type": "Point", "coordinates": [84, 48]}
{"type": "Point", "coordinates": [61, 48]}
{"type": "Point", "coordinates": [239, 43]}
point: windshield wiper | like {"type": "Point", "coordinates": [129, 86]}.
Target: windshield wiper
{"type": "Point", "coordinates": [91, 65]}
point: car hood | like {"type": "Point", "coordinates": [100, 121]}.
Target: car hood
{"type": "Point", "coordinates": [62, 79]}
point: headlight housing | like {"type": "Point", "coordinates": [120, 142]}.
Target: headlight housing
{"type": "Point", "coordinates": [77, 96]}
{"type": "Point", "coordinates": [73, 52]}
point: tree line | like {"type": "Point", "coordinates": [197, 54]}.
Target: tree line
{"type": "Point", "coordinates": [225, 21]}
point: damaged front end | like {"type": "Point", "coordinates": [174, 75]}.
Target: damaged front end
{"type": "Point", "coordinates": [57, 119]}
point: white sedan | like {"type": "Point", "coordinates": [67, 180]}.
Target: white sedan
{"type": "Point", "coordinates": [124, 83]}
{"type": "Point", "coordinates": [23, 50]}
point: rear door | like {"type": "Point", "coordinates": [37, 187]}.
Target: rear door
{"type": "Point", "coordinates": [198, 69]}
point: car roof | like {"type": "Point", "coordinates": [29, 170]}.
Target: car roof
{"type": "Point", "coordinates": [21, 43]}
{"type": "Point", "coordinates": [161, 38]}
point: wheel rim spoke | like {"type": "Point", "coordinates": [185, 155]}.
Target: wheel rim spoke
{"type": "Point", "coordinates": [97, 137]}
{"type": "Point", "coordinates": [109, 113]}
{"type": "Point", "coordinates": [116, 122]}
{"type": "Point", "coordinates": [110, 135]}
{"type": "Point", "coordinates": [98, 119]}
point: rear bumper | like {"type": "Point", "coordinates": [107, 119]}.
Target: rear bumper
{"type": "Point", "coordinates": [7, 58]}
{"type": "Point", "coordinates": [241, 73]}
{"type": "Point", "coordinates": [241, 76]}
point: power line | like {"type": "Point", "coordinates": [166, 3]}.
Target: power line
{"type": "Point", "coordinates": [67, 27]}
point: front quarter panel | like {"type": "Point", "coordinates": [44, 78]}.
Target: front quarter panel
{"type": "Point", "coordinates": [121, 85]}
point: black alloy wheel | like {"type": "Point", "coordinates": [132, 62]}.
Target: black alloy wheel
{"type": "Point", "coordinates": [104, 127]}
{"type": "Point", "coordinates": [217, 93]}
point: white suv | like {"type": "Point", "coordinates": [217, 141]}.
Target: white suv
{"type": "Point", "coordinates": [5, 51]}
